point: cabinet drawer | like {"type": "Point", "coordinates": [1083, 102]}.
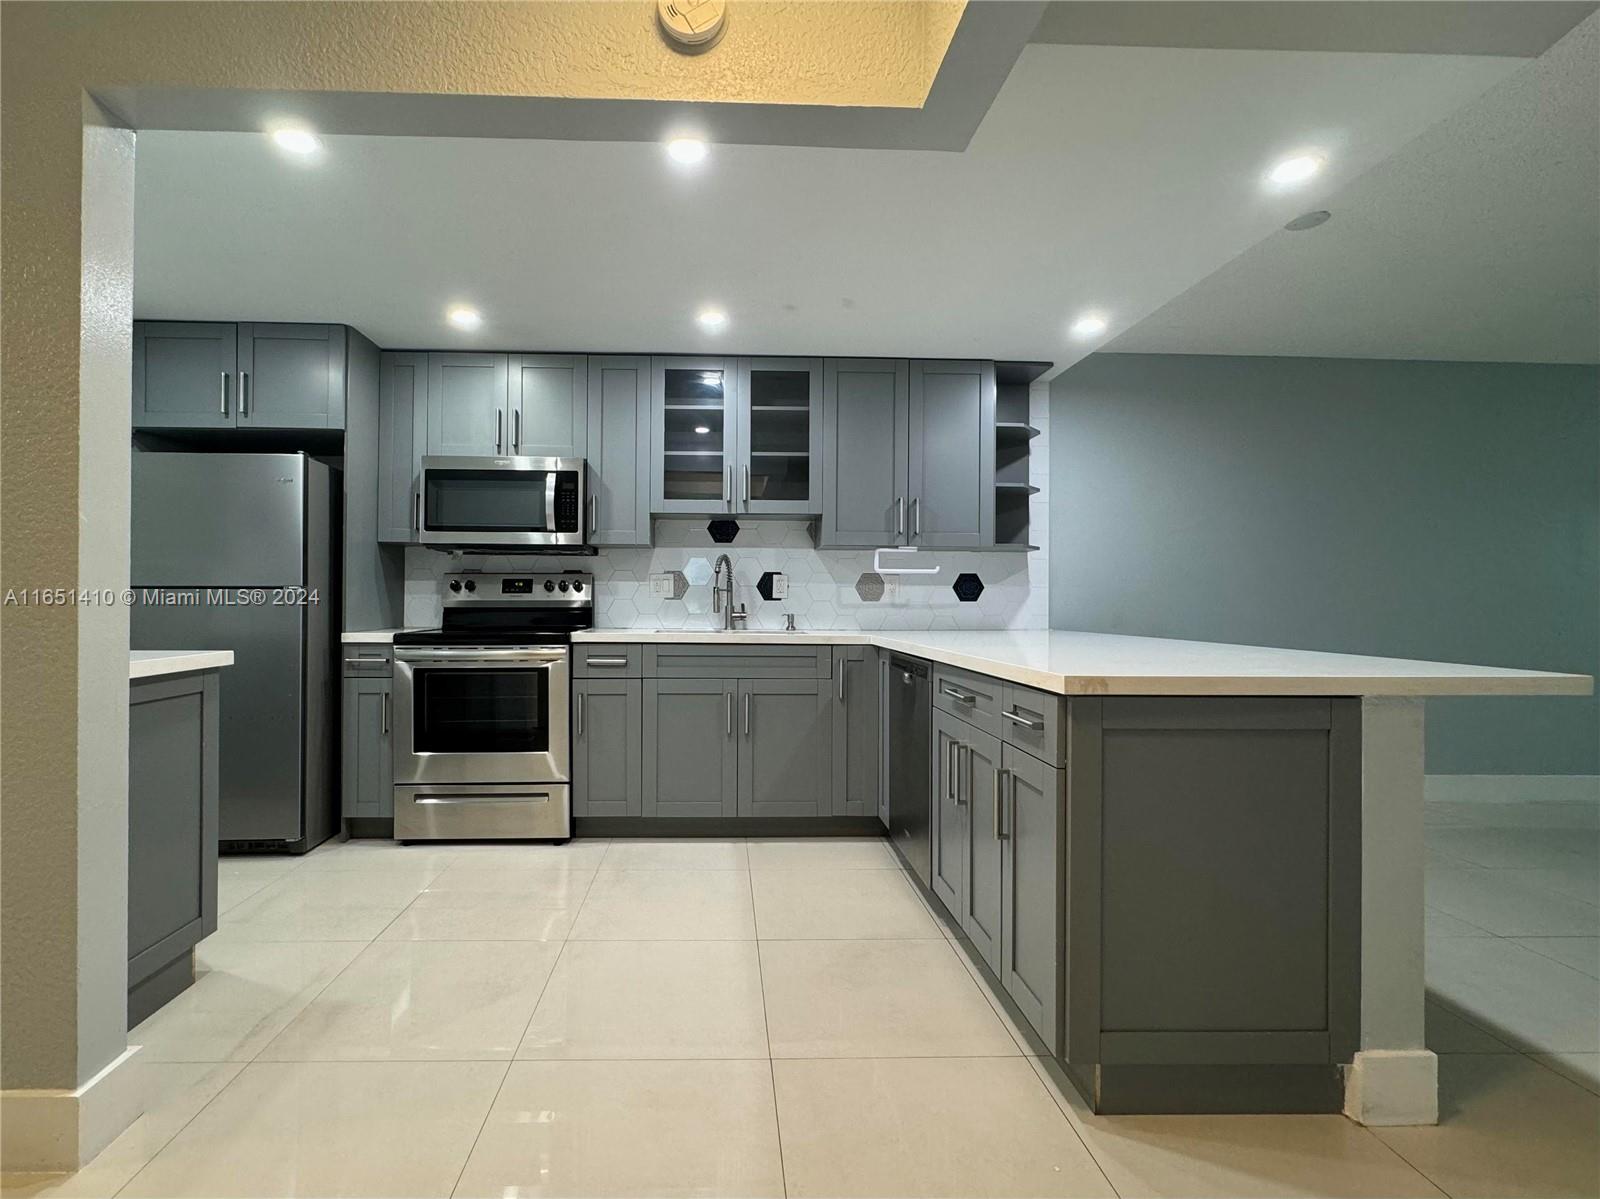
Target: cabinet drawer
{"type": "Point", "coordinates": [368, 659]}
{"type": "Point", "coordinates": [1031, 720]}
{"type": "Point", "coordinates": [602, 661]}
{"type": "Point", "coordinates": [975, 698]}
{"type": "Point", "coordinates": [730, 660]}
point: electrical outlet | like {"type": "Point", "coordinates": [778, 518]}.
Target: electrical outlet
{"type": "Point", "coordinates": [780, 586]}
{"type": "Point", "coordinates": [661, 585]}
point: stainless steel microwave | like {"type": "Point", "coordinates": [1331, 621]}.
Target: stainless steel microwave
{"type": "Point", "coordinates": [527, 502]}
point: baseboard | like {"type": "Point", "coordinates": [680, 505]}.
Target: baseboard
{"type": "Point", "coordinates": [60, 1130]}
{"type": "Point", "coordinates": [1512, 788]}
{"type": "Point", "coordinates": [1392, 1087]}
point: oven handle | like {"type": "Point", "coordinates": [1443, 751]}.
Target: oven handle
{"type": "Point", "coordinates": [541, 656]}
{"type": "Point", "coordinates": [531, 797]}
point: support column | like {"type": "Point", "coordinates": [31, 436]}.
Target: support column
{"type": "Point", "coordinates": [1394, 1078]}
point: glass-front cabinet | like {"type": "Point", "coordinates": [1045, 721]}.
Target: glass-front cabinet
{"type": "Point", "coordinates": [736, 436]}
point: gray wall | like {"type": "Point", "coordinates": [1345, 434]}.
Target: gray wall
{"type": "Point", "coordinates": [1415, 509]}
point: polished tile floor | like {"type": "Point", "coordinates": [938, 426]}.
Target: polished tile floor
{"type": "Point", "coordinates": [786, 1017]}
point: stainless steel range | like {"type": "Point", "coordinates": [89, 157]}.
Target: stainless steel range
{"type": "Point", "coordinates": [481, 746]}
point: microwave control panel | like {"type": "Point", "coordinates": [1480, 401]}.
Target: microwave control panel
{"type": "Point", "coordinates": [567, 514]}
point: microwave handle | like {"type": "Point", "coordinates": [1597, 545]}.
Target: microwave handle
{"type": "Point", "coordinates": [550, 501]}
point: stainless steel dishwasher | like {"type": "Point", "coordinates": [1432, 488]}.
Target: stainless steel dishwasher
{"type": "Point", "coordinates": [910, 758]}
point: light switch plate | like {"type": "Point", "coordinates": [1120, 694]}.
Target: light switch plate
{"type": "Point", "coordinates": [780, 586]}
{"type": "Point", "coordinates": [661, 584]}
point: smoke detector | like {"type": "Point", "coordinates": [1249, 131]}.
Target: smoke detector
{"type": "Point", "coordinates": [692, 24]}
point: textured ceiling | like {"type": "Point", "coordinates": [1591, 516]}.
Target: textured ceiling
{"type": "Point", "coordinates": [1480, 241]}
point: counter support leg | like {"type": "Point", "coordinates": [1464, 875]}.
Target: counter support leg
{"type": "Point", "coordinates": [1394, 1078]}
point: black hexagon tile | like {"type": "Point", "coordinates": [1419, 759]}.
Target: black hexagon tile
{"type": "Point", "coordinates": [869, 586]}
{"type": "Point", "coordinates": [770, 586]}
{"type": "Point", "coordinates": [723, 531]}
{"type": "Point", "coordinates": [968, 587]}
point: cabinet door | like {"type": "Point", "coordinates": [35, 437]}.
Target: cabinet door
{"type": "Point", "coordinates": [467, 404]}
{"type": "Point", "coordinates": [549, 406]}
{"type": "Point", "coordinates": [367, 765]}
{"type": "Point", "coordinates": [607, 747]}
{"type": "Point", "coordinates": [981, 915]}
{"type": "Point", "coordinates": [691, 752]}
{"type": "Point", "coordinates": [952, 455]}
{"type": "Point", "coordinates": [291, 376]}
{"type": "Point", "coordinates": [694, 406]}
{"type": "Point", "coordinates": [1032, 921]}
{"type": "Point", "coordinates": [184, 375]}
{"type": "Point", "coordinates": [780, 436]}
{"type": "Point", "coordinates": [949, 809]}
{"type": "Point", "coordinates": [883, 740]}
{"type": "Point", "coordinates": [402, 408]}
{"type": "Point", "coordinates": [619, 451]}
{"type": "Point", "coordinates": [864, 433]}
{"type": "Point", "coordinates": [785, 766]}
{"type": "Point", "coordinates": [857, 731]}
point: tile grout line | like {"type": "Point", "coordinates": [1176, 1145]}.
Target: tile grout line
{"type": "Point", "coordinates": [766, 1032]}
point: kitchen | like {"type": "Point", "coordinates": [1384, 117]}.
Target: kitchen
{"type": "Point", "coordinates": [665, 708]}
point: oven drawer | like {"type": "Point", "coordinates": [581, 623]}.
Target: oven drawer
{"type": "Point", "coordinates": [518, 812]}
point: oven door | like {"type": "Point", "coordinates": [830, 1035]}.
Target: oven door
{"type": "Point", "coordinates": [479, 715]}
{"type": "Point", "coordinates": [501, 501]}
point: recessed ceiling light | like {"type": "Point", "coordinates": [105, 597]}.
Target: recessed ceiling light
{"type": "Point", "coordinates": [1090, 324]}
{"type": "Point", "coordinates": [1309, 220]}
{"type": "Point", "coordinates": [702, 429]}
{"type": "Point", "coordinates": [687, 150]}
{"type": "Point", "coordinates": [1297, 168]}
{"type": "Point", "coordinates": [711, 319]}
{"type": "Point", "coordinates": [463, 316]}
{"type": "Point", "coordinates": [296, 141]}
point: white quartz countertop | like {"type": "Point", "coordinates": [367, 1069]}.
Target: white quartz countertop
{"type": "Point", "coordinates": [372, 636]}
{"type": "Point", "coordinates": [153, 663]}
{"type": "Point", "coordinates": [1108, 664]}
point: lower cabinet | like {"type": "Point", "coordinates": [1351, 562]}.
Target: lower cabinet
{"type": "Point", "coordinates": [607, 747]}
{"type": "Point", "coordinates": [948, 811]}
{"type": "Point", "coordinates": [691, 755]}
{"type": "Point", "coordinates": [367, 761]}
{"type": "Point", "coordinates": [785, 747]}
{"type": "Point", "coordinates": [857, 731]}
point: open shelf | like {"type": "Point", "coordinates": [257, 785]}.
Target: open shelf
{"type": "Point", "coordinates": [1015, 430]}
{"type": "Point", "coordinates": [1012, 435]}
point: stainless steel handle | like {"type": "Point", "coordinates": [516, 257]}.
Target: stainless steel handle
{"type": "Point", "coordinates": [578, 714]}
{"type": "Point", "coordinates": [952, 769]}
{"type": "Point", "coordinates": [532, 797]}
{"type": "Point", "coordinates": [416, 512]}
{"type": "Point", "coordinates": [593, 519]}
{"type": "Point", "coordinates": [727, 487]}
{"type": "Point", "coordinates": [841, 682]}
{"type": "Point", "coordinates": [244, 393]}
{"type": "Point", "coordinates": [963, 789]}
{"type": "Point", "coordinates": [606, 661]}
{"type": "Point", "coordinates": [224, 408]}
{"type": "Point", "coordinates": [999, 832]}
{"type": "Point", "coordinates": [1036, 725]}
{"type": "Point", "coordinates": [729, 697]}
{"type": "Point", "coordinates": [550, 501]}
{"type": "Point", "coordinates": [916, 516]}
{"type": "Point", "coordinates": [545, 657]}
{"type": "Point", "coordinates": [960, 696]}
{"type": "Point", "coordinates": [746, 713]}
{"type": "Point", "coordinates": [385, 713]}
{"type": "Point", "coordinates": [516, 436]}
{"type": "Point", "coordinates": [747, 487]}
{"type": "Point", "coordinates": [499, 420]}
{"type": "Point", "coordinates": [899, 516]}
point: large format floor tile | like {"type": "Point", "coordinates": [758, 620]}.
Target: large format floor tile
{"type": "Point", "coordinates": [1581, 1068]}
{"type": "Point", "coordinates": [1447, 1032]}
{"type": "Point", "coordinates": [538, 886]}
{"type": "Point", "coordinates": [243, 995]}
{"type": "Point", "coordinates": [927, 1127]}
{"type": "Point", "coordinates": [1511, 903]}
{"type": "Point", "coordinates": [822, 853]}
{"type": "Point", "coordinates": [875, 999]}
{"type": "Point", "coordinates": [629, 1129]}
{"type": "Point", "coordinates": [328, 1128]}
{"type": "Point", "coordinates": [1520, 848]}
{"type": "Point", "coordinates": [667, 905]}
{"type": "Point", "coordinates": [1520, 996]}
{"type": "Point", "coordinates": [308, 905]}
{"type": "Point", "coordinates": [823, 903]}
{"type": "Point", "coordinates": [651, 999]}
{"type": "Point", "coordinates": [1581, 953]}
{"type": "Point", "coordinates": [1507, 1127]}
{"type": "Point", "coordinates": [667, 854]}
{"type": "Point", "coordinates": [422, 1001]}
{"type": "Point", "coordinates": [479, 916]}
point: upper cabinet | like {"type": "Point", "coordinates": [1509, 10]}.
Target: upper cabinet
{"type": "Point", "coordinates": [619, 450]}
{"type": "Point", "coordinates": [737, 436]}
{"type": "Point", "coordinates": [548, 405]}
{"type": "Point", "coordinates": [402, 432]}
{"type": "Point", "coordinates": [467, 399]}
{"type": "Point", "coordinates": [527, 405]}
{"type": "Point", "coordinates": [950, 484]}
{"type": "Point", "coordinates": [194, 375]}
{"type": "Point", "coordinates": [865, 418]}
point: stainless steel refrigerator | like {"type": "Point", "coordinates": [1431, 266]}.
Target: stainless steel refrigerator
{"type": "Point", "coordinates": [236, 551]}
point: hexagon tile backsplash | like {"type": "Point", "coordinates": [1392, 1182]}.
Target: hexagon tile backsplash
{"type": "Point", "coordinates": [827, 589]}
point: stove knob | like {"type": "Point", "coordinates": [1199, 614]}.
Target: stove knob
{"type": "Point", "coordinates": [471, 586]}
{"type": "Point", "coordinates": [576, 585]}
{"type": "Point", "coordinates": [563, 584]}
{"type": "Point", "coordinates": [455, 584]}
{"type": "Point", "coordinates": [549, 585]}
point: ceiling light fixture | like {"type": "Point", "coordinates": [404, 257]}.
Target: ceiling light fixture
{"type": "Point", "coordinates": [711, 319]}
{"type": "Point", "coordinates": [687, 150]}
{"type": "Point", "coordinates": [463, 316]}
{"type": "Point", "coordinates": [1090, 324]}
{"type": "Point", "coordinates": [296, 140]}
{"type": "Point", "coordinates": [1295, 169]}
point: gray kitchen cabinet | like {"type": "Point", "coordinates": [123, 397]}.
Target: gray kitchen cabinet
{"type": "Point", "coordinates": [949, 815]}
{"type": "Point", "coordinates": [1032, 924]}
{"type": "Point", "coordinates": [982, 902]}
{"type": "Point", "coordinates": [185, 375]}
{"type": "Point", "coordinates": [607, 747]}
{"type": "Point", "coordinates": [779, 453]}
{"type": "Point", "coordinates": [402, 432]}
{"type": "Point", "coordinates": [865, 449]}
{"type": "Point", "coordinates": [467, 404]}
{"type": "Point", "coordinates": [619, 450]}
{"type": "Point", "coordinates": [291, 376]}
{"type": "Point", "coordinates": [691, 750]}
{"type": "Point", "coordinates": [857, 731]}
{"type": "Point", "coordinates": [785, 728]}
{"type": "Point", "coordinates": [548, 407]}
{"type": "Point", "coordinates": [367, 761]}
{"type": "Point", "coordinates": [951, 457]}
{"type": "Point", "coordinates": [694, 406]}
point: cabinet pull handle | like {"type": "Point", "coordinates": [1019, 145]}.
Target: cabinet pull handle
{"type": "Point", "coordinates": [224, 408]}
{"type": "Point", "coordinates": [606, 661]}
{"type": "Point", "coordinates": [244, 393]}
{"type": "Point", "coordinates": [841, 681]}
{"type": "Point", "coordinates": [385, 713]}
{"type": "Point", "coordinates": [729, 697]}
{"type": "Point", "coordinates": [747, 487]}
{"type": "Point", "coordinates": [959, 696]}
{"type": "Point", "coordinates": [499, 419]}
{"type": "Point", "coordinates": [579, 713]}
{"type": "Point", "coordinates": [999, 793]}
{"type": "Point", "coordinates": [416, 512]}
{"type": "Point", "coordinates": [899, 516]}
{"type": "Point", "coordinates": [727, 487]}
{"type": "Point", "coordinates": [516, 445]}
{"type": "Point", "coordinates": [592, 520]}
{"type": "Point", "coordinates": [1036, 725]}
{"type": "Point", "coordinates": [746, 713]}
{"type": "Point", "coordinates": [916, 516]}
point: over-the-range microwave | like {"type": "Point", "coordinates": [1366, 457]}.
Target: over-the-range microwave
{"type": "Point", "coordinates": [511, 501]}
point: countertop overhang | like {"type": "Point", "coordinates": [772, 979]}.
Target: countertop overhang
{"type": "Point", "coordinates": [153, 663]}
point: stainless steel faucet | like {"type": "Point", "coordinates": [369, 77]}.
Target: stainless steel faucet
{"type": "Point", "coordinates": [722, 595]}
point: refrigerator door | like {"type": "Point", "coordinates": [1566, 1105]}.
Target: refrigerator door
{"type": "Point", "coordinates": [261, 700]}
{"type": "Point", "coordinates": [218, 520]}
